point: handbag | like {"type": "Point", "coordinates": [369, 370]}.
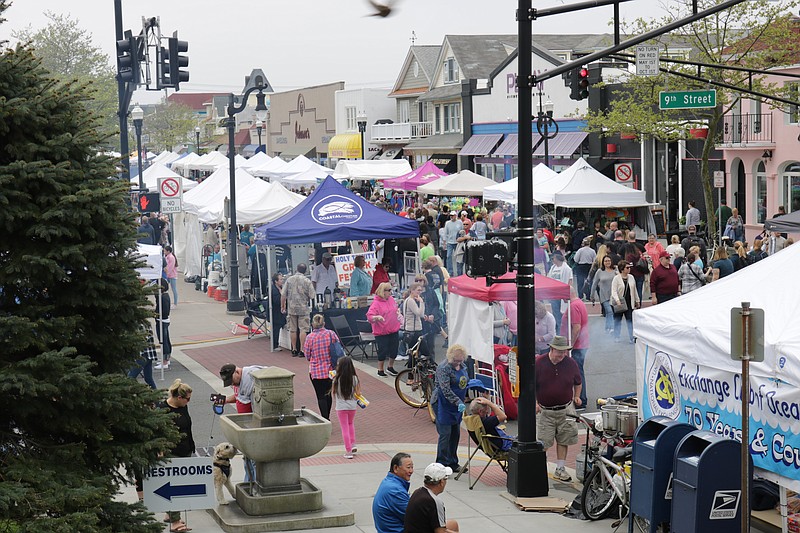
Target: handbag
{"type": "Point", "coordinates": [336, 350]}
{"type": "Point", "coordinates": [621, 307]}
{"type": "Point", "coordinates": [642, 265]}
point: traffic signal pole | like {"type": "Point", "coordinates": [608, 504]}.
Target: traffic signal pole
{"type": "Point", "coordinates": [124, 95]}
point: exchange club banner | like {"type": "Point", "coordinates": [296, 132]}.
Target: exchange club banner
{"type": "Point", "coordinates": [710, 399]}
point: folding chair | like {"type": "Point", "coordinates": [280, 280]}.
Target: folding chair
{"type": "Point", "coordinates": [257, 319]}
{"type": "Point", "coordinates": [489, 444]}
{"type": "Point", "coordinates": [366, 335]}
{"type": "Point", "coordinates": [350, 341]}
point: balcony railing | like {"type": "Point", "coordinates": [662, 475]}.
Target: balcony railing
{"type": "Point", "coordinates": [747, 128]}
{"type": "Point", "coordinates": [404, 131]}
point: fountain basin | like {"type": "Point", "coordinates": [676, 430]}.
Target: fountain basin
{"type": "Point", "coordinates": [301, 433]}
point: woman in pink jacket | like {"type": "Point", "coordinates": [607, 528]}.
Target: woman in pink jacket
{"type": "Point", "coordinates": [385, 320]}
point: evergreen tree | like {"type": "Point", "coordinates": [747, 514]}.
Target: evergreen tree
{"type": "Point", "coordinates": [73, 425]}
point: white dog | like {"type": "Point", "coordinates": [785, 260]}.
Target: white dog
{"type": "Point", "coordinates": [223, 453]}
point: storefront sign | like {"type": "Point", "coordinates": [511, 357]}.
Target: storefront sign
{"type": "Point", "coordinates": [345, 265]}
{"type": "Point", "coordinates": [710, 399]}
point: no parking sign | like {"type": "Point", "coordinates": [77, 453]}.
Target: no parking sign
{"type": "Point", "coordinates": [623, 174]}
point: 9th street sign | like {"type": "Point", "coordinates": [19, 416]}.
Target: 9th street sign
{"type": "Point", "coordinates": [687, 99]}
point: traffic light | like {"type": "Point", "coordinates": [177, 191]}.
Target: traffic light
{"type": "Point", "coordinates": [579, 83]}
{"type": "Point", "coordinates": [128, 58]}
{"type": "Point", "coordinates": [172, 62]}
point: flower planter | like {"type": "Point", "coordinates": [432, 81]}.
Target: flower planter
{"type": "Point", "coordinates": [698, 133]}
{"type": "Point", "coordinates": [627, 136]}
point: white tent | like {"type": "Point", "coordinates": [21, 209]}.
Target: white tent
{"type": "Point", "coordinates": [258, 205]}
{"type": "Point", "coordinates": [239, 161]}
{"type": "Point", "coordinates": [213, 190]}
{"type": "Point", "coordinates": [297, 165]}
{"type": "Point", "coordinates": [582, 186]}
{"type": "Point", "coordinates": [508, 190]}
{"type": "Point", "coordinates": [210, 162]}
{"type": "Point", "coordinates": [685, 371]}
{"type": "Point", "coordinates": [307, 177]}
{"type": "Point", "coordinates": [151, 254]}
{"type": "Point", "coordinates": [378, 169]}
{"type": "Point", "coordinates": [166, 157]}
{"type": "Point", "coordinates": [258, 159]}
{"type": "Point", "coordinates": [265, 170]}
{"type": "Point", "coordinates": [181, 166]}
{"type": "Point", "coordinates": [464, 183]}
{"type": "Point", "coordinates": [155, 171]}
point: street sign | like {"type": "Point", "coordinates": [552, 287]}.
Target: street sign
{"type": "Point", "coordinates": [687, 99]}
{"type": "Point", "coordinates": [719, 179]}
{"type": "Point", "coordinates": [149, 203]}
{"type": "Point", "coordinates": [647, 62]}
{"type": "Point", "coordinates": [756, 334]}
{"type": "Point", "coordinates": [623, 173]}
{"type": "Point", "coordinates": [180, 484]}
{"type": "Point", "coordinates": [171, 194]}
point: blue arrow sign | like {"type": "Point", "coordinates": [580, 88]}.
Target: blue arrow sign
{"type": "Point", "coordinates": [168, 491]}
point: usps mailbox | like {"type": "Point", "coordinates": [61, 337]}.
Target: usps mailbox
{"type": "Point", "coordinates": [706, 486]}
{"type": "Point", "coordinates": [654, 445]}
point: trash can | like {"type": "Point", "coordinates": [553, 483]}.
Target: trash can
{"type": "Point", "coordinates": [654, 445]}
{"type": "Point", "coordinates": [707, 484]}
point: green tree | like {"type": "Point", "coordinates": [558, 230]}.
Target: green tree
{"type": "Point", "coordinates": [70, 308]}
{"type": "Point", "coordinates": [757, 34]}
{"type": "Point", "coordinates": [170, 126]}
{"type": "Point", "coordinates": [68, 52]}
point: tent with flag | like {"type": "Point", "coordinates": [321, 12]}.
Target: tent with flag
{"type": "Point", "coordinates": [419, 176]}
{"type": "Point", "coordinates": [333, 213]}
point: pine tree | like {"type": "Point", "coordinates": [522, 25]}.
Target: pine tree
{"type": "Point", "coordinates": [73, 426]}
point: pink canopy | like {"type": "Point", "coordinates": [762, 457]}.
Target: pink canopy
{"type": "Point", "coordinates": [420, 176]}
{"type": "Point", "coordinates": [546, 288]}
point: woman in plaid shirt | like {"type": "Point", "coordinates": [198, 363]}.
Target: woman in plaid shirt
{"type": "Point", "coordinates": [318, 353]}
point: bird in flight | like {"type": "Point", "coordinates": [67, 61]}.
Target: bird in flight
{"type": "Point", "coordinates": [381, 10]}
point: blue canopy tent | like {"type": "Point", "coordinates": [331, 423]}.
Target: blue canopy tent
{"type": "Point", "coordinates": [333, 213]}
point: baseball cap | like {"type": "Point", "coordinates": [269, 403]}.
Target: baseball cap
{"type": "Point", "coordinates": [226, 373]}
{"type": "Point", "coordinates": [663, 254]}
{"type": "Point", "coordinates": [327, 255]}
{"type": "Point", "coordinates": [436, 472]}
{"type": "Point", "coordinates": [453, 214]}
{"type": "Point", "coordinates": [691, 227]}
{"type": "Point", "coordinates": [476, 384]}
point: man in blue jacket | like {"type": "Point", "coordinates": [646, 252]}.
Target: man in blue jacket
{"type": "Point", "coordinates": [391, 500]}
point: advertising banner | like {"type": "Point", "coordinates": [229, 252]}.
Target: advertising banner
{"type": "Point", "coordinates": [710, 399]}
{"type": "Point", "coordinates": [344, 266]}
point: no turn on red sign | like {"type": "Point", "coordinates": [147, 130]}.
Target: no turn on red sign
{"type": "Point", "coordinates": [170, 191]}
{"type": "Point", "coordinates": [623, 174]}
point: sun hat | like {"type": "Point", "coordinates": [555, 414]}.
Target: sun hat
{"type": "Point", "coordinates": [560, 343]}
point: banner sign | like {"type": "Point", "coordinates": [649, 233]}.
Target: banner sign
{"type": "Point", "coordinates": [710, 399]}
{"type": "Point", "coordinates": [344, 265]}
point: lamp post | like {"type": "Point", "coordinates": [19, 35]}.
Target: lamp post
{"type": "Point", "coordinates": [235, 302]}
{"type": "Point", "coordinates": [259, 126]}
{"type": "Point", "coordinates": [137, 114]}
{"type": "Point", "coordinates": [197, 139]}
{"type": "Point", "coordinates": [361, 120]}
{"type": "Point", "coordinates": [544, 122]}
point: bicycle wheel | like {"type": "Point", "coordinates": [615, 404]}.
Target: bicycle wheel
{"type": "Point", "coordinates": [640, 524]}
{"type": "Point", "coordinates": [598, 496]}
{"type": "Point", "coordinates": [409, 388]}
{"type": "Point", "coordinates": [428, 395]}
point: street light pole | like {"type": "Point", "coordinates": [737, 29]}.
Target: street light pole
{"type": "Point", "coordinates": [137, 114]}
{"type": "Point", "coordinates": [235, 302]}
{"type": "Point", "coordinates": [259, 126]}
{"type": "Point", "coordinates": [361, 120]}
{"type": "Point", "coordinates": [197, 140]}
{"type": "Point", "coordinates": [544, 122]}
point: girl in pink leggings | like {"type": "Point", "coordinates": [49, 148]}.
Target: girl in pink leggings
{"type": "Point", "coordinates": [345, 390]}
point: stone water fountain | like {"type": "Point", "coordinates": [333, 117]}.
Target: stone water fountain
{"type": "Point", "coordinates": [276, 436]}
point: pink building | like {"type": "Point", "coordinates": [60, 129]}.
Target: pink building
{"type": "Point", "coordinates": [761, 145]}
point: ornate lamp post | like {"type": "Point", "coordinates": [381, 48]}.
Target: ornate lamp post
{"type": "Point", "coordinates": [137, 114]}
{"type": "Point", "coordinates": [235, 302]}
{"type": "Point", "coordinates": [544, 123]}
{"type": "Point", "coordinates": [259, 127]}
{"type": "Point", "coordinates": [361, 120]}
{"type": "Point", "coordinates": [197, 139]}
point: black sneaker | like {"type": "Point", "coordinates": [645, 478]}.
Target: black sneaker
{"type": "Point", "coordinates": [381, 373]}
{"type": "Point", "coordinates": [301, 354]}
{"type": "Point", "coordinates": [295, 353]}
{"type": "Point", "coordinates": [392, 371]}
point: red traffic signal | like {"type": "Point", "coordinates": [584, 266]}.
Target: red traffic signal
{"type": "Point", "coordinates": [583, 82]}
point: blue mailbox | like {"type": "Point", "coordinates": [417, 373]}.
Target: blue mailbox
{"type": "Point", "coordinates": [707, 484]}
{"type": "Point", "coordinates": [654, 445]}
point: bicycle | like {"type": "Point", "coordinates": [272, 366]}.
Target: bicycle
{"type": "Point", "coordinates": [415, 385]}
{"type": "Point", "coordinates": [607, 486]}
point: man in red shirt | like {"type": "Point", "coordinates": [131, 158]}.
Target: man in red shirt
{"type": "Point", "coordinates": [578, 334]}
{"type": "Point", "coordinates": [664, 282]}
{"type": "Point", "coordinates": [558, 390]}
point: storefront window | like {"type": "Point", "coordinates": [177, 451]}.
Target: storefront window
{"type": "Point", "coordinates": [761, 193]}
{"type": "Point", "coordinates": [791, 187]}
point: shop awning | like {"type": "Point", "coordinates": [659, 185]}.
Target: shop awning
{"type": "Point", "coordinates": [481, 144]}
{"type": "Point", "coordinates": [293, 151]}
{"type": "Point", "coordinates": [509, 147]}
{"type": "Point", "coordinates": [447, 141]}
{"type": "Point", "coordinates": [394, 152]}
{"type": "Point", "coordinates": [446, 162]}
{"type": "Point", "coordinates": [562, 145]}
{"type": "Point", "coordinates": [345, 146]}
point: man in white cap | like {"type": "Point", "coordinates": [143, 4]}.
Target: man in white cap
{"type": "Point", "coordinates": [425, 512]}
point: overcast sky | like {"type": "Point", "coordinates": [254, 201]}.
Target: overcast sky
{"type": "Point", "coordinates": [300, 43]}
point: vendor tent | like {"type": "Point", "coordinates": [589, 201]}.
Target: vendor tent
{"type": "Point", "coordinates": [152, 256]}
{"type": "Point", "coordinates": [508, 190]}
{"type": "Point", "coordinates": [181, 166]}
{"type": "Point", "coordinates": [308, 177]}
{"type": "Point", "coordinates": [582, 186]}
{"type": "Point", "coordinates": [373, 169]}
{"type": "Point", "coordinates": [297, 165]}
{"type": "Point", "coordinates": [786, 223]}
{"type": "Point", "coordinates": [209, 162]}
{"type": "Point", "coordinates": [333, 213]}
{"type": "Point", "coordinates": [166, 157]}
{"type": "Point", "coordinates": [213, 190]}
{"type": "Point", "coordinates": [464, 183]}
{"type": "Point", "coordinates": [469, 315]}
{"type": "Point", "coordinates": [151, 175]}
{"type": "Point", "coordinates": [419, 176]}
{"type": "Point", "coordinates": [685, 370]}
{"type": "Point", "coordinates": [265, 170]}
{"type": "Point", "coordinates": [259, 202]}
{"type": "Point", "coordinates": [239, 161]}
{"type": "Point", "coordinates": [258, 159]}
